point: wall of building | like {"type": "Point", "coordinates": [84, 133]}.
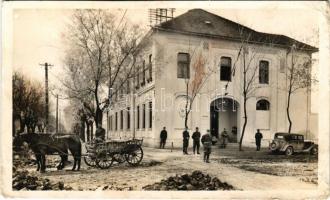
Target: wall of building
{"type": "Point", "coordinates": [173, 88]}
{"type": "Point", "coordinates": [167, 92]}
{"type": "Point", "coordinates": [143, 95]}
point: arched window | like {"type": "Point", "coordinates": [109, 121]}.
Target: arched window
{"type": "Point", "coordinates": [263, 72]}
{"type": "Point", "coordinates": [263, 114]}
{"type": "Point", "coordinates": [262, 105]}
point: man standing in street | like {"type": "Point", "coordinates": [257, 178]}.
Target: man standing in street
{"type": "Point", "coordinates": [186, 137]}
{"type": "Point", "coordinates": [100, 133]}
{"type": "Point", "coordinates": [258, 137]}
{"type": "Point", "coordinates": [224, 138]}
{"type": "Point", "coordinates": [207, 144]}
{"type": "Point", "coordinates": [163, 137]}
{"type": "Point", "coordinates": [196, 136]}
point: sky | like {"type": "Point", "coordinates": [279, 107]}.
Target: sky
{"type": "Point", "coordinates": [38, 33]}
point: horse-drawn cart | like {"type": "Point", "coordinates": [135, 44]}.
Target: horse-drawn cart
{"type": "Point", "coordinates": [103, 154]}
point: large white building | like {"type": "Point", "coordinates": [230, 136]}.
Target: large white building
{"type": "Point", "coordinates": [166, 63]}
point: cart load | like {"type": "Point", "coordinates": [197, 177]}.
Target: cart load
{"type": "Point", "coordinates": [103, 153]}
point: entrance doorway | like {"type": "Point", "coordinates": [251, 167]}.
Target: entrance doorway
{"type": "Point", "coordinates": [223, 115]}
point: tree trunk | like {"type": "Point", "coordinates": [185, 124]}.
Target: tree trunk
{"type": "Point", "coordinates": [186, 108]}
{"type": "Point", "coordinates": [186, 121]}
{"type": "Point", "coordinates": [98, 116]}
{"type": "Point", "coordinates": [244, 125]}
{"type": "Point", "coordinates": [244, 104]}
{"type": "Point", "coordinates": [288, 112]}
{"type": "Point", "coordinates": [88, 131]}
{"type": "Point", "coordinates": [82, 131]}
{"type": "Point", "coordinates": [91, 124]}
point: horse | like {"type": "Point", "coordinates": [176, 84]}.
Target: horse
{"type": "Point", "coordinates": [46, 144]}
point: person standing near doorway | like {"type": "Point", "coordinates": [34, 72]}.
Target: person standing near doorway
{"type": "Point", "coordinates": [258, 137]}
{"type": "Point", "coordinates": [207, 145]}
{"type": "Point", "coordinates": [163, 137]}
{"type": "Point", "coordinates": [224, 138]}
{"type": "Point", "coordinates": [196, 136]}
{"type": "Point", "coordinates": [186, 137]}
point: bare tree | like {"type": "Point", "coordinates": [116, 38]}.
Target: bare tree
{"type": "Point", "coordinates": [194, 85]}
{"type": "Point", "coordinates": [299, 76]}
{"type": "Point", "coordinates": [28, 103]}
{"type": "Point", "coordinates": [248, 70]}
{"type": "Point", "coordinates": [99, 57]}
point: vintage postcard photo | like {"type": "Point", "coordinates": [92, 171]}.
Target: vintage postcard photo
{"type": "Point", "coordinates": [155, 99]}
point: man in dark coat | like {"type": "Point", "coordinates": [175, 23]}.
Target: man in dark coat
{"type": "Point", "coordinates": [207, 144]}
{"type": "Point", "coordinates": [100, 133]}
{"type": "Point", "coordinates": [186, 137]}
{"type": "Point", "coordinates": [163, 137]}
{"type": "Point", "coordinates": [224, 138]}
{"type": "Point", "coordinates": [196, 136]}
{"type": "Point", "coordinates": [258, 137]}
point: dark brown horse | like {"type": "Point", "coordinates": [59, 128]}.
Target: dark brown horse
{"type": "Point", "coordinates": [48, 144]}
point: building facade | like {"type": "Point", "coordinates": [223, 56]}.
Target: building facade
{"type": "Point", "coordinates": [199, 46]}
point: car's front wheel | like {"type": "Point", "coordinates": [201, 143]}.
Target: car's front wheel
{"type": "Point", "coordinates": [289, 151]}
{"type": "Point", "coordinates": [273, 146]}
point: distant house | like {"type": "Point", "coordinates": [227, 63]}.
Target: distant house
{"type": "Point", "coordinates": [164, 64]}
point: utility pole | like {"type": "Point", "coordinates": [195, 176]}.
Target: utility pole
{"type": "Point", "coordinates": [59, 120]}
{"type": "Point", "coordinates": [46, 65]}
{"type": "Point", "coordinates": [56, 114]}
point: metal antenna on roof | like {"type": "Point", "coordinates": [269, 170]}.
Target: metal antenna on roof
{"type": "Point", "coordinates": [160, 15]}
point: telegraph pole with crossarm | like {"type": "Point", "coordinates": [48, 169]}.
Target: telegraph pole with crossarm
{"type": "Point", "coordinates": [46, 65]}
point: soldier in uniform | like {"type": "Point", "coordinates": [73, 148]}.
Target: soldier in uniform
{"type": "Point", "coordinates": [258, 137]}
{"type": "Point", "coordinates": [163, 137]}
{"type": "Point", "coordinates": [207, 144]}
{"type": "Point", "coordinates": [224, 138]}
{"type": "Point", "coordinates": [196, 136]}
{"type": "Point", "coordinates": [186, 137]}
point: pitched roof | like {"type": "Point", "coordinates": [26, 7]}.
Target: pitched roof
{"type": "Point", "coordinates": [203, 23]}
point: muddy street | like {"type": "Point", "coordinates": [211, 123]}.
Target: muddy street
{"type": "Point", "coordinates": [244, 170]}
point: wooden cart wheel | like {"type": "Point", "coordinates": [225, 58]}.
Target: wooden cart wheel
{"type": "Point", "coordinates": [103, 159]}
{"type": "Point", "coordinates": [90, 161]}
{"type": "Point", "coordinates": [119, 158]}
{"type": "Point", "coordinates": [134, 157]}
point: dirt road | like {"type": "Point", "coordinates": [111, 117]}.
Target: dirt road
{"type": "Point", "coordinates": [248, 170]}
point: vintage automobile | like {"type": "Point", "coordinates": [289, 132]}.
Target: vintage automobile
{"type": "Point", "coordinates": [290, 143]}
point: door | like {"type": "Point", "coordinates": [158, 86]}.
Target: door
{"type": "Point", "coordinates": [214, 121]}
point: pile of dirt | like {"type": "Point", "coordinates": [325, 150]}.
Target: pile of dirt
{"type": "Point", "coordinates": [22, 180]}
{"type": "Point", "coordinates": [20, 161]}
{"type": "Point", "coordinates": [195, 181]}
{"type": "Point", "coordinates": [309, 180]}
{"type": "Point", "coordinates": [112, 187]}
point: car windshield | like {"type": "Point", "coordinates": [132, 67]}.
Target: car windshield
{"type": "Point", "coordinates": [280, 136]}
